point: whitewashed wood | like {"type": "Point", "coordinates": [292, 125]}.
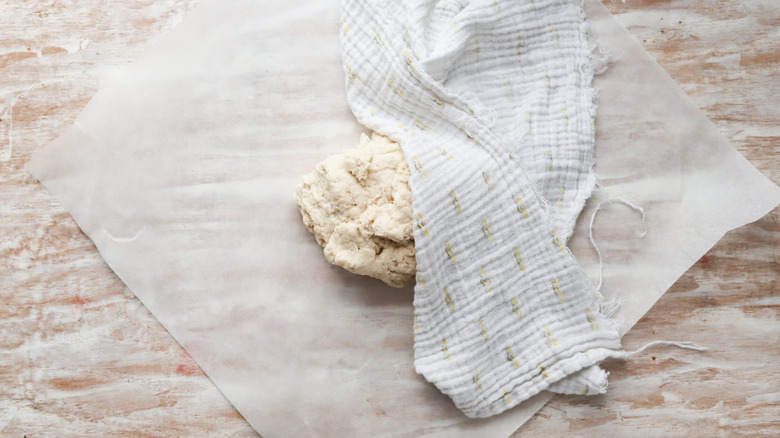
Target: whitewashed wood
{"type": "Point", "coordinates": [725, 56]}
{"type": "Point", "coordinates": [80, 356]}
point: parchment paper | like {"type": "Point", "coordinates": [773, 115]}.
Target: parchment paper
{"type": "Point", "coordinates": [182, 172]}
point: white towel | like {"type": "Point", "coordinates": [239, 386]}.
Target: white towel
{"type": "Point", "coordinates": [491, 101]}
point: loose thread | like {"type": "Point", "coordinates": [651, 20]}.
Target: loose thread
{"type": "Point", "coordinates": [11, 132]}
{"type": "Point", "coordinates": [601, 61]}
{"type": "Point", "coordinates": [590, 230]}
{"type": "Point", "coordinates": [6, 156]}
{"type": "Point", "coordinates": [684, 345]}
{"type": "Point", "coordinates": [608, 308]}
{"type": "Point", "coordinates": [10, 112]}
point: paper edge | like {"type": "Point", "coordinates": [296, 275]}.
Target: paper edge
{"type": "Point", "coordinates": [35, 167]}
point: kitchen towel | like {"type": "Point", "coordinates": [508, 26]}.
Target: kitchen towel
{"type": "Point", "coordinates": [493, 105]}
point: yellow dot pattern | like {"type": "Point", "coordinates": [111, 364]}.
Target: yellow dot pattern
{"type": "Point", "coordinates": [464, 195]}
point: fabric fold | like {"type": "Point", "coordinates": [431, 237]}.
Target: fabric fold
{"type": "Point", "coordinates": [502, 309]}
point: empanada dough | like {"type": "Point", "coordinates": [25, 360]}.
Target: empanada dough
{"type": "Point", "coordinates": [358, 204]}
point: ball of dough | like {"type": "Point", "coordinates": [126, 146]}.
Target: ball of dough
{"type": "Point", "coordinates": [358, 204]}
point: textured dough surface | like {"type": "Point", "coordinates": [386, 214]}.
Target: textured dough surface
{"type": "Point", "coordinates": [358, 205]}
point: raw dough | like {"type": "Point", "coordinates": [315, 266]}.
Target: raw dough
{"type": "Point", "coordinates": [358, 204]}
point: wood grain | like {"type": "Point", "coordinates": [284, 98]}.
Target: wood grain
{"type": "Point", "coordinates": [79, 355]}
{"type": "Point", "coordinates": [724, 55]}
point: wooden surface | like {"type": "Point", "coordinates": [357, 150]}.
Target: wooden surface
{"type": "Point", "coordinates": [80, 356]}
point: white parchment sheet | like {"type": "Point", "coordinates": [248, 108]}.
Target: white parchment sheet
{"type": "Point", "coordinates": [182, 172]}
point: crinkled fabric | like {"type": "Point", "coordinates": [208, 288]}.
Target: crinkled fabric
{"type": "Point", "coordinates": [492, 104]}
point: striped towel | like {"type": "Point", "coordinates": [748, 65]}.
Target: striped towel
{"type": "Point", "coordinates": [492, 104]}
